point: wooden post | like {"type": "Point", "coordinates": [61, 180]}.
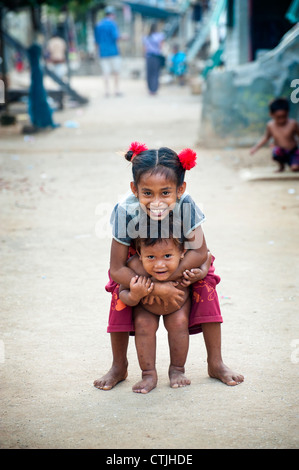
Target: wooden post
{"type": "Point", "coordinates": [3, 106]}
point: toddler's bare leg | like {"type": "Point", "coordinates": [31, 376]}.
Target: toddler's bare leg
{"type": "Point", "coordinates": [146, 325]}
{"type": "Point", "coordinates": [119, 368]}
{"type": "Point", "coordinates": [178, 338]}
{"type": "Point", "coordinates": [216, 367]}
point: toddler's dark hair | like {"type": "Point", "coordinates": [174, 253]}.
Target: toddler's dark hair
{"type": "Point", "coordinates": [163, 161]}
{"type": "Point", "coordinates": [279, 104]}
{"type": "Point", "coordinates": [154, 240]}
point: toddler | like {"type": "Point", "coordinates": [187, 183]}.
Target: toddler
{"type": "Point", "coordinates": [159, 258]}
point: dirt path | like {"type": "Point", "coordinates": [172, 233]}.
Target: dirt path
{"type": "Point", "coordinates": [54, 307]}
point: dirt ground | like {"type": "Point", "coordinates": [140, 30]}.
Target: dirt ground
{"type": "Point", "coordinates": [58, 188]}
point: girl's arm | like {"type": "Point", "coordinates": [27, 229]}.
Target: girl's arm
{"type": "Point", "coordinates": [119, 271]}
{"type": "Point", "coordinates": [168, 292]}
{"type": "Point", "coordinates": [196, 274]}
{"type": "Point", "coordinates": [194, 257]}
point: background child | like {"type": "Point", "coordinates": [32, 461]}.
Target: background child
{"type": "Point", "coordinates": [284, 131]}
{"type": "Point", "coordinates": [158, 187]}
{"type": "Point", "coordinates": [178, 64]}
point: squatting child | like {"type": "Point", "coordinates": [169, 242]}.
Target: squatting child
{"type": "Point", "coordinates": [284, 132]}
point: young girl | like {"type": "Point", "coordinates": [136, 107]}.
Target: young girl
{"type": "Point", "coordinates": [157, 259]}
{"type": "Point", "coordinates": [158, 187]}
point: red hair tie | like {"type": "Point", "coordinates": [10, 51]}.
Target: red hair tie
{"type": "Point", "coordinates": [137, 148]}
{"type": "Point", "coordinates": [187, 158]}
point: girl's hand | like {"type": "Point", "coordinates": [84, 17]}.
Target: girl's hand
{"type": "Point", "coordinates": [169, 293]}
{"type": "Point", "coordinates": [150, 299]}
{"type": "Point", "coordinates": [140, 286]}
{"type": "Point", "coordinates": [196, 274]}
{"type": "Point", "coordinates": [189, 277]}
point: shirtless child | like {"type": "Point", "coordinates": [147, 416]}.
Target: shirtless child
{"type": "Point", "coordinates": [158, 259]}
{"type": "Point", "coordinates": [283, 130]}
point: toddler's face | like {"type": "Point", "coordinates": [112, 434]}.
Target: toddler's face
{"type": "Point", "coordinates": [280, 117]}
{"type": "Point", "coordinates": [157, 194]}
{"type": "Point", "coordinates": [162, 259]}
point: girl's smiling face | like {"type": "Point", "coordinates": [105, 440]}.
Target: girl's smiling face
{"type": "Point", "coordinates": [157, 194]}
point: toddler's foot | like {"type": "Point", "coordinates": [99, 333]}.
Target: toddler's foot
{"type": "Point", "coordinates": [148, 382]}
{"type": "Point", "coordinates": [177, 377]}
{"type": "Point", "coordinates": [225, 374]}
{"type": "Point", "coordinates": [112, 378]}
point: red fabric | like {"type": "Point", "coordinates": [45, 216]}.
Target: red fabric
{"type": "Point", "coordinates": [187, 158]}
{"type": "Point", "coordinates": [205, 306]}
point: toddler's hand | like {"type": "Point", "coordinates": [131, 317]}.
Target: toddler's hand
{"type": "Point", "coordinates": [140, 286]}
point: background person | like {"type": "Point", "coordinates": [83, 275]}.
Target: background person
{"type": "Point", "coordinates": [56, 55]}
{"type": "Point", "coordinates": [153, 57]}
{"type": "Point", "coordinates": [285, 132]}
{"type": "Point", "coordinates": [106, 37]}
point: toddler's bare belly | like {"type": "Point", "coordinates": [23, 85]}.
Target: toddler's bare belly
{"type": "Point", "coordinates": [159, 309]}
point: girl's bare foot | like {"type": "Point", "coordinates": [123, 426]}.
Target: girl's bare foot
{"type": "Point", "coordinates": [148, 382]}
{"type": "Point", "coordinates": [112, 378]}
{"type": "Point", "coordinates": [225, 374]}
{"type": "Point", "coordinates": [177, 377]}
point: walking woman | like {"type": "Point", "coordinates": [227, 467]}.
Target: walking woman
{"type": "Point", "coordinates": [153, 56]}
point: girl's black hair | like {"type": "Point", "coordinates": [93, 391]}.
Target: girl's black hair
{"type": "Point", "coordinates": [163, 161]}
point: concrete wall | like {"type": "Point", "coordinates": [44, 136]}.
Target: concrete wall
{"type": "Point", "coordinates": [235, 101]}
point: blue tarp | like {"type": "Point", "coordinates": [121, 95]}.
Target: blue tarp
{"type": "Point", "coordinates": [153, 12]}
{"type": "Point", "coordinates": [293, 12]}
{"type": "Point", "coordinates": [39, 110]}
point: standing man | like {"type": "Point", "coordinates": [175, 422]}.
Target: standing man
{"type": "Point", "coordinates": [106, 37]}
